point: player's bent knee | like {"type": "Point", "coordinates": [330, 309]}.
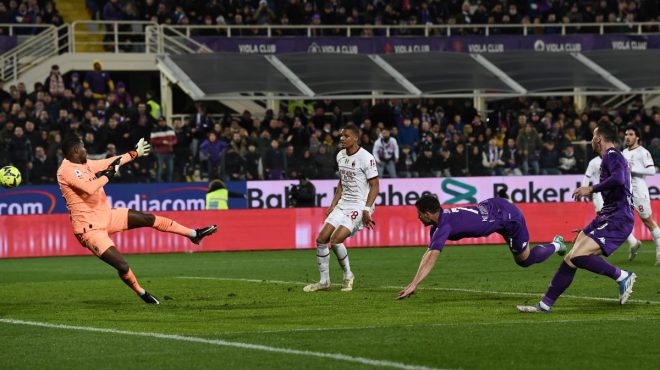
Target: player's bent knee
{"type": "Point", "coordinates": [524, 263]}
{"type": "Point", "coordinates": [321, 240]}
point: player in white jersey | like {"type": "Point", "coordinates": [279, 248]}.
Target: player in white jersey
{"type": "Point", "coordinates": [641, 165]}
{"type": "Point", "coordinates": [350, 210]}
{"type": "Point", "coordinates": [593, 175]}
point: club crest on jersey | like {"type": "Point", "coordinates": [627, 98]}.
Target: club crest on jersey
{"type": "Point", "coordinates": [353, 164]}
{"type": "Point", "coordinates": [78, 173]}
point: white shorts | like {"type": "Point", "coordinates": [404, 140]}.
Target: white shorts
{"type": "Point", "coordinates": [348, 218]}
{"type": "Point", "coordinates": [642, 206]}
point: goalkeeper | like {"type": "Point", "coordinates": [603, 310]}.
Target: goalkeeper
{"type": "Point", "coordinates": [81, 182]}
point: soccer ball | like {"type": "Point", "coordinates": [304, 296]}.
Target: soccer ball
{"type": "Point", "coordinates": [10, 177]}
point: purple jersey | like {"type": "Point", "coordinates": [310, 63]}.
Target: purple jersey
{"type": "Point", "coordinates": [490, 216]}
{"type": "Point", "coordinates": [615, 222]}
{"type": "Point", "coordinates": [615, 187]}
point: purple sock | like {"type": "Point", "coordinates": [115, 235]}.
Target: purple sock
{"type": "Point", "coordinates": [538, 254]}
{"type": "Point", "coordinates": [598, 265]}
{"type": "Point", "coordinates": [562, 280]}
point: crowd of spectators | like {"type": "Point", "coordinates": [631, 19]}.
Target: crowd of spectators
{"type": "Point", "coordinates": [378, 12]}
{"type": "Point", "coordinates": [409, 138]}
{"type": "Point", "coordinates": [28, 12]}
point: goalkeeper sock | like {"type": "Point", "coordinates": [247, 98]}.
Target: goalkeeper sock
{"type": "Point", "coordinates": [323, 260]}
{"type": "Point", "coordinates": [130, 280]}
{"type": "Point", "coordinates": [170, 226]}
{"type": "Point", "coordinates": [342, 257]}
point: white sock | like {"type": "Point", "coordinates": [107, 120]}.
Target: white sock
{"type": "Point", "coordinates": [544, 306]}
{"type": "Point", "coordinates": [323, 259]}
{"type": "Point", "coordinates": [656, 238]}
{"type": "Point", "coordinates": [557, 246]}
{"type": "Point", "coordinates": [342, 257]}
{"type": "Point", "coordinates": [631, 239]}
{"type": "Point", "coordinates": [623, 276]}
{"type": "Point", "coordinates": [193, 233]}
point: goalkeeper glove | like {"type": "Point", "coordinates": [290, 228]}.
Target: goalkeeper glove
{"type": "Point", "coordinates": [143, 148]}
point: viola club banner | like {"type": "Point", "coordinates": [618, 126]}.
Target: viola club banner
{"type": "Point", "coordinates": [402, 45]}
{"type": "Point", "coordinates": [28, 200]}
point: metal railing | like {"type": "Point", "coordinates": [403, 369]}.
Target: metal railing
{"type": "Point", "coordinates": [638, 28]}
{"type": "Point", "coordinates": [13, 29]}
{"type": "Point", "coordinates": [36, 50]}
{"type": "Point", "coordinates": [109, 36]}
{"type": "Point", "coordinates": [172, 41]}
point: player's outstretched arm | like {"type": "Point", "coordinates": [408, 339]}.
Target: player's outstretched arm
{"type": "Point", "coordinates": [142, 148]}
{"type": "Point", "coordinates": [425, 267]}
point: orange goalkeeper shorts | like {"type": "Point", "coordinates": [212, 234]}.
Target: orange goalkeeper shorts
{"type": "Point", "coordinates": [98, 240]}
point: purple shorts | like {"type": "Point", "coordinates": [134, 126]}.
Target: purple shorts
{"type": "Point", "coordinates": [609, 234]}
{"type": "Point", "coordinates": [515, 228]}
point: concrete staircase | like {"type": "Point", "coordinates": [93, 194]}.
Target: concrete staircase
{"type": "Point", "coordinates": [88, 38]}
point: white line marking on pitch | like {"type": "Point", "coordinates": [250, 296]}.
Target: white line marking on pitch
{"type": "Point", "coordinates": [486, 323]}
{"type": "Point", "coordinates": [223, 343]}
{"type": "Point", "coordinates": [424, 288]}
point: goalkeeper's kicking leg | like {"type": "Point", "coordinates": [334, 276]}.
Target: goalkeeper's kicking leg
{"type": "Point", "coordinates": [115, 259]}
{"type": "Point", "coordinates": [138, 219]}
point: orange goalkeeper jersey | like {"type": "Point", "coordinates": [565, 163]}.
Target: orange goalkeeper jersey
{"type": "Point", "coordinates": [83, 192]}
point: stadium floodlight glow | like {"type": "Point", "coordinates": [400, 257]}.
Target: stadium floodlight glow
{"type": "Point", "coordinates": [605, 74]}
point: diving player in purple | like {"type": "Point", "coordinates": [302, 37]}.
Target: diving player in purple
{"type": "Point", "coordinates": [495, 215]}
{"type": "Point", "coordinates": [606, 232]}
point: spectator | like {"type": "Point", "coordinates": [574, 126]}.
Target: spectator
{"type": "Point", "coordinates": [234, 165]}
{"type": "Point", "coordinates": [408, 134]}
{"type": "Point", "coordinates": [308, 167]}
{"type": "Point", "coordinates": [98, 81]}
{"type": "Point", "coordinates": [182, 155]}
{"type": "Point", "coordinates": [406, 165]}
{"type": "Point", "coordinates": [20, 152]}
{"type": "Point", "coordinates": [567, 161]}
{"type": "Point", "coordinates": [291, 163]}
{"type": "Point", "coordinates": [55, 82]}
{"type": "Point", "coordinates": [163, 138]}
{"type": "Point", "coordinates": [511, 158]}
{"type": "Point", "coordinates": [252, 163]}
{"type": "Point", "coordinates": [212, 150]}
{"type": "Point", "coordinates": [424, 163]}
{"type": "Point", "coordinates": [386, 153]}
{"type": "Point", "coordinates": [326, 163]}
{"type": "Point", "coordinates": [42, 169]}
{"type": "Point", "coordinates": [492, 159]}
{"type": "Point", "coordinates": [549, 159]}
{"type": "Point", "coordinates": [274, 161]}
{"type": "Point", "coordinates": [458, 161]}
{"type": "Point", "coordinates": [154, 107]}
{"type": "Point", "coordinates": [529, 144]}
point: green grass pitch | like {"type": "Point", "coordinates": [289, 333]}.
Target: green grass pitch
{"type": "Point", "coordinates": [250, 313]}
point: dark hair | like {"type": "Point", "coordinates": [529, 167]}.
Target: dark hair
{"type": "Point", "coordinates": [608, 131]}
{"type": "Point", "coordinates": [428, 203]}
{"type": "Point", "coordinates": [634, 129]}
{"type": "Point", "coordinates": [69, 143]}
{"type": "Point", "coordinates": [352, 128]}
